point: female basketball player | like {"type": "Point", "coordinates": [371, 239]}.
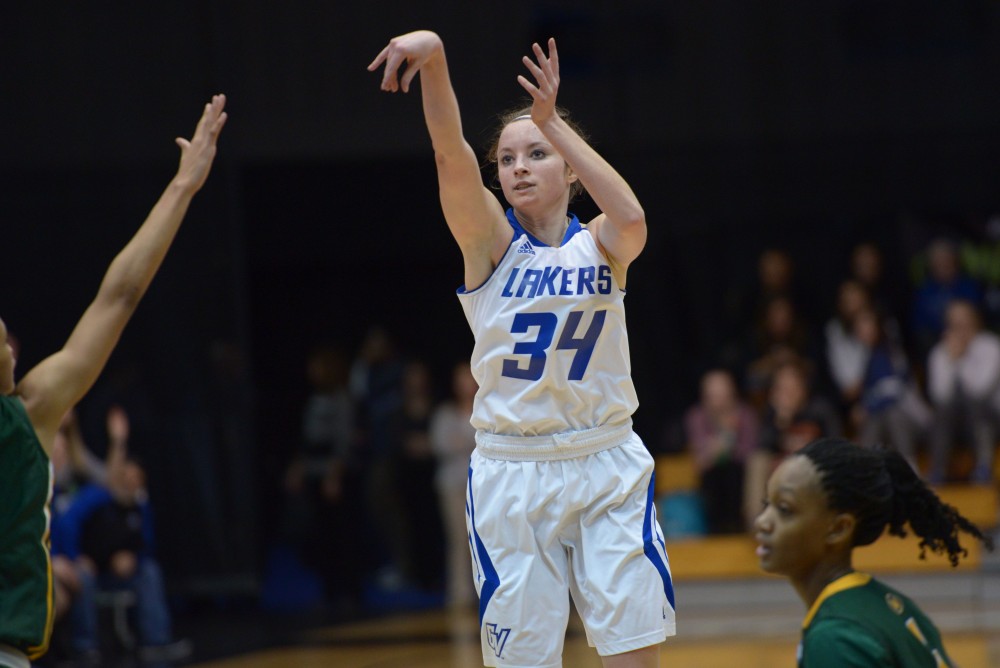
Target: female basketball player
{"type": "Point", "coordinates": [822, 502]}
{"type": "Point", "coordinates": [31, 411]}
{"type": "Point", "coordinates": [560, 488]}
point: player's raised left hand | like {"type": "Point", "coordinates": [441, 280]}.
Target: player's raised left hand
{"type": "Point", "coordinates": [546, 73]}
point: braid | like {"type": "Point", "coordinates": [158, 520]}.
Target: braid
{"type": "Point", "coordinates": [879, 488]}
{"type": "Point", "coordinates": [936, 523]}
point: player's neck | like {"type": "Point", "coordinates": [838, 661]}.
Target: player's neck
{"type": "Point", "coordinates": [812, 585]}
{"type": "Point", "coordinates": [550, 228]}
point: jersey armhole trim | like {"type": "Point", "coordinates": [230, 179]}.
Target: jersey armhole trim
{"type": "Point", "coordinates": [518, 232]}
{"type": "Point", "coordinates": [462, 291]}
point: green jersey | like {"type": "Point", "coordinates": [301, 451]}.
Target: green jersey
{"type": "Point", "coordinates": [26, 609]}
{"type": "Point", "coordinates": [858, 622]}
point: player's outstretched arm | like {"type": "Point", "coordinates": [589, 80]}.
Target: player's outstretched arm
{"type": "Point", "coordinates": [474, 215]}
{"type": "Point", "coordinates": [60, 380]}
{"type": "Point", "coordinates": [621, 227]}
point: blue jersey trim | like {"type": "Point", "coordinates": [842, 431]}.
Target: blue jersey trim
{"type": "Point", "coordinates": [571, 229]}
{"type": "Point", "coordinates": [492, 580]}
{"type": "Point", "coordinates": [649, 540]}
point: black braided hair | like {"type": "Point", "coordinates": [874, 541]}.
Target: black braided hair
{"type": "Point", "coordinates": [878, 486]}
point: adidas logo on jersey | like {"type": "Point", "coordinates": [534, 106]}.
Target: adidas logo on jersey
{"type": "Point", "coordinates": [526, 248]}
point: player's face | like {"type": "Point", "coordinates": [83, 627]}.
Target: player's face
{"type": "Point", "coordinates": [531, 172]}
{"type": "Point", "coordinates": [791, 530]}
{"type": "Point", "coordinates": [7, 362]}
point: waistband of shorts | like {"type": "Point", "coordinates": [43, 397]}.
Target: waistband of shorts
{"type": "Point", "coordinates": [564, 445]}
{"type": "Point", "coordinates": [13, 656]}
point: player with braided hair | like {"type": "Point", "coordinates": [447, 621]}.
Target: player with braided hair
{"type": "Point", "coordinates": [821, 503]}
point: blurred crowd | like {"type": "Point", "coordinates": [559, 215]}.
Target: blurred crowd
{"type": "Point", "coordinates": [911, 364]}
{"type": "Point", "coordinates": [382, 464]}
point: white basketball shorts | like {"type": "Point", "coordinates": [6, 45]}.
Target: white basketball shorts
{"type": "Point", "coordinates": [570, 514]}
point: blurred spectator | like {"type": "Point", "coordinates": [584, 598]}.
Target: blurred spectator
{"type": "Point", "coordinates": [321, 481]}
{"type": "Point", "coordinates": [775, 271]}
{"type": "Point", "coordinates": [108, 533]}
{"type": "Point", "coordinates": [80, 464]}
{"type": "Point", "coordinates": [867, 268]}
{"type": "Point", "coordinates": [963, 377]}
{"type": "Point", "coordinates": [780, 337]}
{"type": "Point", "coordinates": [944, 282]}
{"type": "Point", "coordinates": [745, 303]}
{"type": "Point", "coordinates": [845, 354]}
{"type": "Point", "coordinates": [774, 279]}
{"type": "Point", "coordinates": [890, 409]}
{"type": "Point", "coordinates": [453, 439]}
{"type": "Point", "coordinates": [67, 476]}
{"type": "Point", "coordinates": [73, 467]}
{"type": "Point", "coordinates": [375, 384]}
{"type": "Point", "coordinates": [792, 418]}
{"type": "Point", "coordinates": [722, 432]}
{"type": "Point", "coordinates": [422, 536]}
{"type": "Point", "coordinates": [982, 260]}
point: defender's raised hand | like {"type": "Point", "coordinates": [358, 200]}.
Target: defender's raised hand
{"type": "Point", "coordinates": [198, 153]}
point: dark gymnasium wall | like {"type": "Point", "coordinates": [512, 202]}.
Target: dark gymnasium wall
{"type": "Point", "coordinates": [741, 125]}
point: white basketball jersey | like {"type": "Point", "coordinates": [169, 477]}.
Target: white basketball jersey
{"type": "Point", "coordinates": [551, 351]}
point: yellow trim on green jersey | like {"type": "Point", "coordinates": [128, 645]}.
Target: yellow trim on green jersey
{"type": "Point", "coordinates": [849, 581]}
{"type": "Point", "coordinates": [38, 651]}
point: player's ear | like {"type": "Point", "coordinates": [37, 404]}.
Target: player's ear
{"type": "Point", "coordinates": [571, 176]}
{"type": "Point", "coordinates": [841, 529]}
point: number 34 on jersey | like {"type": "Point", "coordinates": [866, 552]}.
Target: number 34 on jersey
{"type": "Point", "coordinates": [530, 356]}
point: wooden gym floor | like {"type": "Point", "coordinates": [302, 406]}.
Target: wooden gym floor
{"type": "Point", "coordinates": [746, 623]}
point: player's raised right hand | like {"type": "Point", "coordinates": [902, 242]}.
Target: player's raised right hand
{"type": "Point", "coordinates": [414, 49]}
{"type": "Point", "coordinates": [198, 153]}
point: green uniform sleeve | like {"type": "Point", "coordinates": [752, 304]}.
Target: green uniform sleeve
{"type": "Point", "coordinates": [839, 643]}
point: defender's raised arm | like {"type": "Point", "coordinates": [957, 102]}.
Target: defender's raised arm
{"type": "Point", "coordinates": [59, 381]}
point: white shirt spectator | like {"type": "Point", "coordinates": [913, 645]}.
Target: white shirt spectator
{"type": "Point", "coordinates": [846, 356]}
{"type": "Point", "coordinates": [976, 371]}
